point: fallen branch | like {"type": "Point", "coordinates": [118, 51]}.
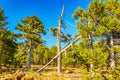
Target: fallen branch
{"type": "Point", "coordinates": [59, 54]}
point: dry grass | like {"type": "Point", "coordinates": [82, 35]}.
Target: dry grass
{"type": "Point", "coordinates": [50, 74]}
{"type": "Point", "coordinates": [19, 75]}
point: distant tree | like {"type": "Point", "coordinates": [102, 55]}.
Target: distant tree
{"type": "Point", "coordinates": [53, 51]}
{"type": "Point", "coordinates": [20, 56]}
{"type": "Point", "coordinates": [69, 57]}
{"type": "Point", "coordinates": [41, 54]}
{"type": "Point", "coordinates": [31, 28]}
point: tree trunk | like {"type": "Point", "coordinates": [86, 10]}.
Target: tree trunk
{"type": "Point", "coordinates": [58, 41]}
{"type": "Point", "coordinates": [29, 57]}
{"type": "Point", "coordinates": [0, 63]}
{"type": "Point", "coordinates": [90, 41]}
{"type": "Point", "coordinates": [91, 48]}
{"type": "Point", "coordinates": [58, 48]}
{"type": "Point", "coordinates": [88, 67]}
{"type": "Point", "coordinates": [92, 70]}
{"type": "Point", "coordinates": [112, 55]}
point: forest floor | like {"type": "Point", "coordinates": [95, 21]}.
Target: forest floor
{"type": "Point", "coordinates": [49, 73]}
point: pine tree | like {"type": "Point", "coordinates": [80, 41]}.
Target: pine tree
{"type": "Point", "coordinates": [7, 44]}
{"type": "Point", "coordinates": [31, 29]}
{"type": "Point", "coordinates": [103, 18]}
{"type": "Point", "coordinates": [90, 22]}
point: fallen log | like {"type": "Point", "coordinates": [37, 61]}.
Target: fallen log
{"type": "Point", "coordinates": [59, 53]}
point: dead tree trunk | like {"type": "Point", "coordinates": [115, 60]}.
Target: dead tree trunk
{"type": "Point", "coordinates": [59, 47]}
{"type": "Point", "coordinates": [59, 53]}
{"type": "Point", "coordinates": [58, 42]}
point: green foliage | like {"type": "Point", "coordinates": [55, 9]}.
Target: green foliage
{"type": "Point", "coordinates": [42, 54]}
{"type": "Point", "coordinates": [38, 54]}
{"type": "Point", "coordinates": [53, 52]}
{"type": "Point", "coordinates": [20, 56]}
{"type": "Point", "coordinates": [32, 70]}
{"type": "Point", "coordinates": [2, 18]}
{"type": "Point", "coordinates": [115, 74]}
{"type": "Point", "coordinates": [54, 31]}
{"type": "Point", "coordinates": [8, 48]}
{"type": "Point", "coordinates": [31, 28]}
{"type": "Point", "coordinates": [7, 44]}
{"type": "Point", "coordinates": [116, 49]}
{"type": "Point", "coordinates": [101, 20]}
{"type": "Point", "coordinates": [66, 61]}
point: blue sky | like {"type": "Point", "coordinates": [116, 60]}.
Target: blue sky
{"type": "Point", "coordinates": [47, 10]}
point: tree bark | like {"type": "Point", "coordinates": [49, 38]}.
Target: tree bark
{"type": "Point", "coordinates": [58, 50]}
{"type": "Point", "coordinates": [0, 63]}
{"type": "Point", "coordinates": [29, 57]}
{"type": "Point", "coordinates": [112, 55]}
{"type": "Point", "coordinates": [91, 48]}
{"type": "Point", "coordinates": [58, 42]}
